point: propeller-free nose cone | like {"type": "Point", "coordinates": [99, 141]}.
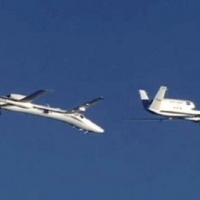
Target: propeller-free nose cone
{"type": "Point", "coordinates": [94, 127]}
{"type": "Point", "coordinates": [100, 130]}
{"type": "Point", "coordinates": [97, 129]}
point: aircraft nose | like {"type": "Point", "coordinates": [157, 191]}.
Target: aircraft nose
{"type": "Point", "coordinates": [100, 130]}
{"type": "Point", "coordinates": [97, 129]}
{"type": "Point", "coordinates": [94, 127]}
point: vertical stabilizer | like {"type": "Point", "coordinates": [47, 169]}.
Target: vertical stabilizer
{"type": "Point", "coordinates": [156, 103]}
{"type": "Point", "coordinates": [144, 98]}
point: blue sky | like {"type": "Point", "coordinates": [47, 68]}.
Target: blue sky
{"type": "Point", "coordinates": [82, 50]}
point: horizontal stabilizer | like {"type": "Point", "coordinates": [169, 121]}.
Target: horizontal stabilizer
{"type": "Point", "coordinates": [143, 95]}
{"type": "Point", "coordinates": [145, 99]}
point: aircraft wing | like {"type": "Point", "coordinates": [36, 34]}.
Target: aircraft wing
{"type": "Point", "coordinates": [86, 105]}
{"type": "Point", "coordinates": [49, 109]}
{"type": "Point", "coordinates": [74, 110]}
{"type": "Point", "coordinates": [33, 96]}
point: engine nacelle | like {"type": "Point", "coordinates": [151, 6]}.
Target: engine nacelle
{"type": "Point", "coordinates": [16, 96]}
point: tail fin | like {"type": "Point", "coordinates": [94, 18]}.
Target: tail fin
{"type": "Point", "coordinates": [155, 105]}
{"type": "Point", "coordinates": [144, 98]}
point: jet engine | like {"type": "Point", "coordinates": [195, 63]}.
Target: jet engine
{"type": "Point", "coordinates": [16, 96]}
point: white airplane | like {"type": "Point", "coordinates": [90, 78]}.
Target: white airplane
{"type": "Point", "coordinates": [169, 108]}
{"type": "Point", "coordinates": [74, 117]}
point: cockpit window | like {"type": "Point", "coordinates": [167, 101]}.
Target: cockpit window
{"type": "Point", "coordinates": [188, 103]}
{"type": "Point", "coordinates": [79, 115]}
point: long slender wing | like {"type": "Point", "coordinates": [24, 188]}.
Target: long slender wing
{"type": "Point", "coordinates": [33, 96]}
{"type": "Point", "coordinates": [49, 109]}
{"type": "Point", "coordinates": [76, 109]}
{"type": "Point", "coordinates": [86, 105]}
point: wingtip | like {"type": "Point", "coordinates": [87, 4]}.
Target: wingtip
{"type": "Point", "coordinates": [48, 90]}
{"type": "Point", "coordinates": [99, 98]}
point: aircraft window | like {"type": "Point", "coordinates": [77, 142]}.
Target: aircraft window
{"type": "Point", "coordinates": [82, 116]}
{"type": "Point", "coordinates": [46, 111]}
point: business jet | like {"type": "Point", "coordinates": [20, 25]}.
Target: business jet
{"type": "Point", "coordinates": [74, 117]}
{"type": "Point", "coordinates": [169, 109]}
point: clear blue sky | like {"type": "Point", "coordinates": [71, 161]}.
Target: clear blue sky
{"type": "Point", "coordinates": [82, 50]}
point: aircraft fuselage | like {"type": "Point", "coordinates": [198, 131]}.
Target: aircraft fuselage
{"type": "Point", "coordinates": [77, 120]}
{"type": "Point", "coordinates": [176, 108]}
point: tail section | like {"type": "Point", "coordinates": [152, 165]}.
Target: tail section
{"type": "Point", "coordinates": [156, 103]}
{"type": "Point", "coordinates": [145, 99]}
